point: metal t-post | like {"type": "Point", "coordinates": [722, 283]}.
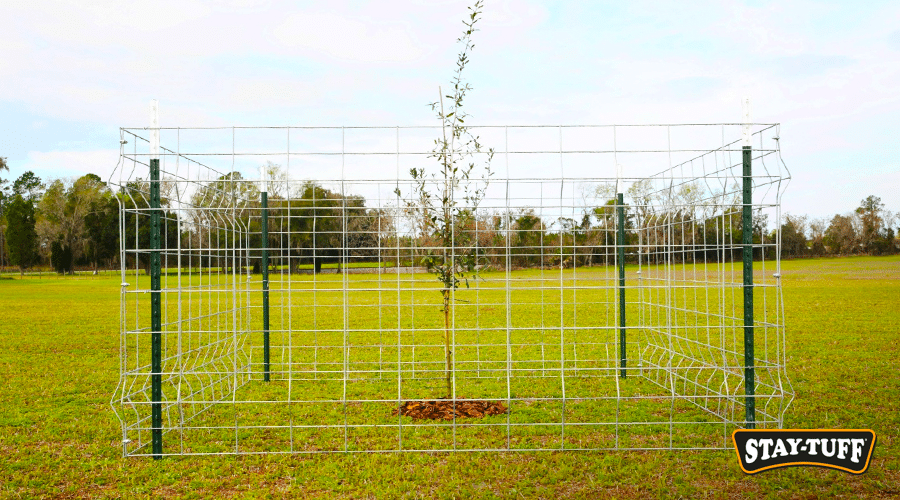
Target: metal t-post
{"type": "Point", "coordinates": [155, 314]}
{"type": "Point", "coordinates": [620, 246]}
{"type": "Point", "coordinates": [265, 282]}
{"type": "Point", "coordinates": [747, 223]}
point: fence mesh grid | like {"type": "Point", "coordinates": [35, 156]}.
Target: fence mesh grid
{"type": "Point", "coordinates": [355, 323]}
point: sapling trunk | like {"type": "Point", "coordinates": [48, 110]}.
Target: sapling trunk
{"type": "Point", "coordinates": [447, 241]}
{"type": "Point", "coordinates": [447, 352]}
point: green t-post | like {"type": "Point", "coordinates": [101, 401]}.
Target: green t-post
{"type": "Point", "coordinates": [620, 244]}
{"type": "Point", "coordinates": [747, 223]}
{"type": "Point", "coordinates": [265, 282]}
{"type": "Point", "coordinates": [155, 314]}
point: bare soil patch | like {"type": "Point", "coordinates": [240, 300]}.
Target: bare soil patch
{"type": "Point", "coordinates": [443, 409]}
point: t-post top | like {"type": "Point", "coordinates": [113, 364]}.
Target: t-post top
{"type": "Point", "coordinates": [263, 182]}
{"type": "Point", "coordinates": [619, 181]}
{"type": "Point", "coordinates": [154, 129]}
{"type": "Point", "coordinates": [745, 132]}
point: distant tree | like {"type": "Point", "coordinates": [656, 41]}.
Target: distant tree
{"type": "Point", "coordinates": [101, 226]}
{"type": "Point", "coordinates": [21, 237]}
{"type": "Point", "coordinates": [63, 213]}
{"type": "Point", "coordinates": [28, 185]}
{"type": "Point", "coordinates": [793, 239]}
{"type": "Point", "coordinates": [641, 193]}
{"type": "Point", "coordinates": [894, 221]}
{"type": "Point", "coordinates": [367, 230]}
{"type": "Point", "coordinates": [5, 195]}
{"type": "Point", "coordinates": [3, 167]}
{"type": "Point", "coordinates": [317, 218]}
{"type": "Point", "coordinates": [61, 257]}
{"type": "Point", "coordinates": [94, 178]}
{"type": "Point", "coordinates": [277, 181]}
{"type": "Point", "coordinates": [490, 236]}
{"type": "Point", "coordinates": [5, 191]}
{"type": "Point", "coordinates": [528, 232]}
{"type": "Point", "coordinates": [842, 236]}
{"type": "Point", "coordinates": [817, 236]}
{"type": "Point", "coordinates": [53, 224]}
{"type": "Point", "coordinates": [876, 236]}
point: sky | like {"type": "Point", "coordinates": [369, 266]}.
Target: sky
{"type": "Point", "coordinates": [73, 72]}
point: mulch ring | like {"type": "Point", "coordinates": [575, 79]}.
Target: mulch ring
{"type": "Point", "coordinates": [442, 409]}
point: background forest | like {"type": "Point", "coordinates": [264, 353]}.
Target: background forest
{"type": "Point", "coordinates": [73, 224]}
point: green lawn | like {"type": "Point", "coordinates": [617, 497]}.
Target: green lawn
{"type": "Point", "coordinates": [59, 436]}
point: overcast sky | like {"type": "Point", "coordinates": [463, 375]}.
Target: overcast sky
{"type": "Point", "coordinates": [73, 72]}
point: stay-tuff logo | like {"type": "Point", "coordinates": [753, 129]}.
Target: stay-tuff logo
{"type": "Point", "coordinates": [848, 450]}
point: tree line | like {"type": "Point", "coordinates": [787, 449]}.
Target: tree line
{"type": "Point", "coordinates": [867, 230]}
{"type": "Point", "coordinates": [63, 223]}
{"type": "Point", "coordinates": [76, 222]}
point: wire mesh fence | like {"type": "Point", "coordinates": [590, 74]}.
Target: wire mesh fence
{"type": "Point", "coordinates": [607, 305]}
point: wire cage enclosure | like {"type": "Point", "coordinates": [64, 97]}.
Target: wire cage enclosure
{"type": "Point", "coordinates": [617, 304]}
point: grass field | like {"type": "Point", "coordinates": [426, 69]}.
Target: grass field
{"type": "Point", "coordinates": [338, 341]}
{"type": "Point", "coordinates": [60, 438]}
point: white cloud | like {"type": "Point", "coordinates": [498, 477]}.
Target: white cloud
{"type": "Point", "coordinates": [330, 34]}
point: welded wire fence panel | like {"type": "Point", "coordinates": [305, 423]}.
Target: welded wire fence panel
{"type": "Point", "coordinates": [597, 324]}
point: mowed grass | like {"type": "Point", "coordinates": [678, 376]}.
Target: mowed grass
{"type": "Point", "coordinates": [348, 329]}
{"type": "Point", "coordinates": [59, 437]}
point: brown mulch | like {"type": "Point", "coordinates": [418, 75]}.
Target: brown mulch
{"type": "Point", "coordinates": [442, 409]}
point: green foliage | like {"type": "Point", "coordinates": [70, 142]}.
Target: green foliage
{"type": "Point", "coordinates": [841, 235]}
{"type": "Point", "coordinates": [529, 239]}
{"type": "Point", "coordinates": [101, 226]}
{"type": "Point", "coordinates": [62, 211]}
{"type": "Point", "coordinates": [793, 240]}
{"type": "Point", "coordinates": [5, 191]}
{"type": "Point", "coordinates": [876, 236]}
{"type": "Point", "coordinates": [61, 257]}
{"type": "Point", "coordinates": [5, 194]}
{"type": "Point", "coordinates": [21, 238]}
{"type": "Point", "coordinates": [321, 222]}
{"type": "Point", "coordinates": [316, 220]}
{"type": "Point", "coordinates": [28, 185]}
{"type": "Point", "coordinates": [73, 218]}
{"type": "Point", "coordinates": [866, 230]}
